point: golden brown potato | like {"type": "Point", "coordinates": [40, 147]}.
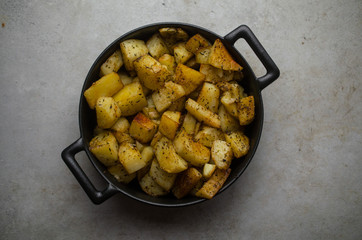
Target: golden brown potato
{"type": "Point", "coordinates": [202, 114]}
{"type": "Point", "coordinates": [196, 42]}
{"type": "Point", "coordinates": [167, 157]}
{"type": "Point", "coordinates": [125, 79]}
{"type": "Point", "coordinates": [156, 138]}
{"type": "Point", "coordinates": [178, 105]}
{"type": "Point", "coordinates": [185, 181]}
{"type": "Point", "coordinates": [104, 87]}
{"type": "Point", "coordinates": [208, 170]}
{"type": "Point", "coordinates": [189, 78]}
{"type": "Point", "coordinates": [161, 177]}
{"type": "Point", "coordinates": [227, 122]}
{"type": "Point", "coordinates": [239, 143]}
{"type": "Point", "coordinates": [207, 135]}
{"type": "Point", "coordinates": [147, 154]}
{"type": "Point", "coordinates": [156, 46]}
{"type": "Point", "coordinates": [170, 121]}
{"type": "Point", "coordinates": [107, 112]}
{"type": "Point", "coordinates": [169, 61]}
{"type": "Point", "coordinates": [142, 128]}
{"type": "Point", "coordinates": [120, 173]}
{"type": "Point", "coordinates": [173, 35]}
{"type": "Point", "coordinates": [150, 186]}
{"type": "Point", "coordinates": [209, 97]}
{"type": "Point", "coordinates": [151, 73]}
{"type": "Point", "coordinates": [105, 147]}
{"type": "Point", "coordinates": [230, 103]}
{"type": "Point", "coordinates": [220, 57]}
{"type": "Point", "coordinates": [131, 99]}
{"type": "Point", "coordinates": [122, 125]}
{"type": "Point", "coordinates": [189, 124]}
{"type": "Point", "coordinates": [130, 157]}
{"type": "Point", "coordinates": [221, 154]}
{"type": "Point", "coordinates": [164, 97]}
{"type": "Point", "coordinates": [246, 110]}
{"type": "Point", "coordinates": [112, 64]}
{"type": "Point", "coordinates": [202, 55]}
{"type": "Point", "coordinates": [131, 50]}
{"type": "Point", "coordinates": [214, 184]}
{"type": "Point", "coordinates": [123, 137]}
{"type": "Point", "coordinates": [181, 54]}
{"type": "Point", "coordinates": [193, 152]}
{"type": "Point", "coordinates": [215, 75]}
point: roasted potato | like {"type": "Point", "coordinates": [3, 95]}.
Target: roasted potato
{"type": "Point", "coordinates": [104, 87]}
{"type": "Point", "coordinates": [122, 125]}
{"type": "Point", "coordinates": [227, 122]}
{"type": "Point", "coordinates": [120, 173]}
{"type": "Point", "coordinates": [239, 143]}
{"type": "Point", "coordinates": [189, 124]}
{"type": "Point", "coordinates": [161, 177]}
{"type": "Point", "coordinates": [107, 112]}
{"type": "Point", "coordinates": [193, 152]}
{"type": "Point", "coordinates": [112, 64]}
{"type": "Point", "coordinates": [131, 50]}
{"type": "Point", "coordinates": [181, 54]}
{"type": "Point", "coordinates": [207, 135]}
{"type": "Point", "coordinates": [220, 57]}
{"type": "Point", "coordinates": [246, 110]}
{"type": "Point", "coordinates": [196, 42]}
{"type": "Point", "coordinates": [142, 128]}
{"type": "Point", "coordinates": [156, 46]}
{"type": "Point", "coordinates": [130, 157]}
{"type": "Point", "coordinates": [213, 185]}
{"type": "Point", "coordinates": [170, 121]}
{"type": "Point", "coordinates": [167, 157]}
{"type": "Point", "coordinates": [164, 97]}
{"type": "Point", "coordinates": [209, 97]}
{"type": "Point", "coordinates": [131, 99]}
{"type": "Point", "coordinates": [208, 170]}
{"type": "Point", "coordinates": [151, 73]}
{"type": "Point", "coordinates": [105, 147]}
{"type": "Point", "coordinates": [185, 182]}
{"type": "Point", "coordinates": [221, 154]}
{"type": "Point", "coordinates": [150, 186]}
{"type": "Point", "coordinates": [189, 78]}
{"type": "Point", "coordinates": [202, 114]}
{"type": "Point", "coordinates": [216, 75]}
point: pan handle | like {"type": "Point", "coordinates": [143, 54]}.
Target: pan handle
{"type": "Point", "coordinates": [272, 71]}
{"type": "Point", "coordinates": [96, 196]}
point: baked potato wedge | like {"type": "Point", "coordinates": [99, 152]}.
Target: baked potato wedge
{"type": "Point", "coordinates": [214, 184]}
{"type": "Point", "coordinates": [239, 143]}
{"type": "Point", "coordinates": [220, 57]}
{"type": "Point", "coordinates": [185, 182]}
{"type": "Point", "coordinates": [202, 114]}
{"type": "Point", "coordinates": [189, 78]}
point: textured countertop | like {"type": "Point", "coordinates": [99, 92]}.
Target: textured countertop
{"type": "Point", "coordinates": [304, 181]}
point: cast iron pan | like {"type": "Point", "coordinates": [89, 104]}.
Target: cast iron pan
{"type": "Point", "coordinates": [87, 118]}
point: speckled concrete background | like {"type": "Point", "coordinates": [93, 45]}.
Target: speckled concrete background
{"type": "Point", "coordinates": [304, 181]}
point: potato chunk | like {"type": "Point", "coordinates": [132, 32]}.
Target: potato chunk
{"type": "Point", "coordinates": [131, 99]}
{"type": "Point", "coordinates": [150, 186]}
{"type": "Point", "coordinates": [161, 177]}
{"type": "Point", "coordinates": [104, 87]}
{"type": "Point", "coordinates": [185, 182]}
{"type": "Point", "coordinates": [221, 154]}
{"type": "Point", "coordinates": [130, 157]}
{"type": "Point", "coordinates": [193, 152]}
{"type": "Point", "coordinates": [227, 122]}
{"type": "Point", "coordinates": [151, 73]}
{"type": "Point", "coordinates": [202, 114]}
{"type": "Point", "coordinates": [189, 124]}
{"type": "Point", "coordinates": [156, 46]}
{"type": "Point", "coordinates": [170, 121]}
{"type": "Point", "coordinates": [216, 75]}
{"type": "Point", "coordinates": [202, 56]}
{"type": "Point", "coordinates": [107, 112]}
{"type": "Point", "coordinates": [214, 184]}
{"type": "Point", "coordinates": [208, 170]}
{"type": "Point", "coordinates": [207, 135]}
{"type": "Point", "coordinates": [246, 110]}
{"type": "Point", "coordinates": [209, 97]}
{"type": "Point", "coordinates": [167, 157]}
{"type": "Point", "coordinates": [142, 128]}
{"type": "Point", "coordinates": [221, 58]}
{"type": "Point", "coordinates": [197, 42]}
{"type": "Point", "coordinates": [189, 78]}
{"type": "Point", "coordinates": [131, 50]}
{"type": "Point", "coordinates": [122, 125]}
{"type": "Point", "coordinates": [120, 173]}
{"type": "Point", "coordinates": [169, 61]}
{"type": "Point", "coordinates": [105, 147]}
{"type": "Point", "coordinates": [164, 97]}
{"type": "Point", "coordinates": [112, 64]}
{"type": "Point", "coordinates": [181, 54]}
{"type": "Point", "coordinates": [239, 143]}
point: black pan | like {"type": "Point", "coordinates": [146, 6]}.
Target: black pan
{"type": "Point", "coordinates": [87, 118]}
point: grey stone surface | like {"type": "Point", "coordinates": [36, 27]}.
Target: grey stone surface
{"type": "Point", "coordinates": [304, 181]}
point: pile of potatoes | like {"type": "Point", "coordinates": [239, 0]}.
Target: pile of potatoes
{"type": "Point", "coordinates": [170, 114]}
